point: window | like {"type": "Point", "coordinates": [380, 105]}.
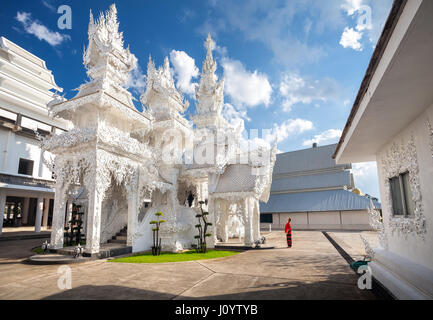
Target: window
{"type": "Point", "coordinates": [266, 218]}
{"type": "Point", "coordinates": [401, 195]}
{"type": "Point", "coordinates": [25, 167]}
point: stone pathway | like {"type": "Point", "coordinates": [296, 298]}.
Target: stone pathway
{"type": "Point", "coordinates": [22, 233]}
{"type": "Point", "coordinates": [312, 269]}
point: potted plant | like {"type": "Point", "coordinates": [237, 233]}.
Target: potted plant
{"type": "Point", "coordinates": [156, 248]}
{"type": "Point", "coordinates": [202, 226]}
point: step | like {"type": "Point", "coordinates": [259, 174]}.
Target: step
{"type": "Point", "coordinates": [122, 234]}
{"type": "Point", "coordinates": [103, 254]}
{"type": "Point", "coordinates": [120, 238]}
{"type": "Point", "coordinates": [116, 241]}
{"type": "Point", "coordinates": [5, 237]}
{"type": "Point", "coordinates": [242, 247]}
{"type": "Point", "coordinates": [106, 250]}
{"type": "Point", "coordinates": [47, 259]}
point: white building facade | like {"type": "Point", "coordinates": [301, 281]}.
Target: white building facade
{"type": "Point", "coordinates": [391, 123]}
{"type": "Point", "coordinates": [26, 180]}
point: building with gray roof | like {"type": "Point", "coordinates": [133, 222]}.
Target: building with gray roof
{"type": "Point", "coordinates": [315, 192]}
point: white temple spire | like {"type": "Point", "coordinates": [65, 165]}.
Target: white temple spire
{"type": "Point", "coordinates": [161, 96]}
{"type": "Point", "coordinates": [105, 55]}
{"type": "Point", "coordinates": [167, 67]}
{"type": "Point", "coordinates": [209, 93]}
{"type": "Point", "coordinates": [209, 65]}
{"type": "Point", "coordinates": [150, 68]}
{"type": "Point", "coordinates": [91, 21]}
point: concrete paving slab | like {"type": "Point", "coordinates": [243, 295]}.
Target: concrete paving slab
{"type": "Point", "coordinates": [311, 269]}
{"type": "Point", "coordinates": [240, 287]}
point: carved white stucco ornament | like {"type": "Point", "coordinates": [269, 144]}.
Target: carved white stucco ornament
{"type": "Point", "coordinates": [369, 252]}
{"type": "Point", "coordinates": [430, 133]}
{"type": "Point", "coordinates": [117, 156]}
{"type": "Point", "coordinates": [398, 159]}
{"type": "Point", "coordinates": [376, 222]}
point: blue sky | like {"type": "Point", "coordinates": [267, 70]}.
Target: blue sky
{"type": "Point", "coordinates": [294, 66]}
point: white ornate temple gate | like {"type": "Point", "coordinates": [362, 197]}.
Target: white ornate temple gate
{"type": "Point", "coordinates": [122, 157]}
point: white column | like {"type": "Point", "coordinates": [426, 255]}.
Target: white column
{"type": "Point", "coordinates": [93, 232]}
{"type": "Point", "coordinates": [248, 214]}
{"type": "Point", "coordinates": [132, 216]}
{"type": "Point", "coordinates": [58, 225]}
{"type": "Point", "coordinates": [46, 211]}
{"type": "Point", "coordinates": [6, 151]}
{"type": "Point", "coordinates": [39, 208]}
{"type": "Point", "coordinates": [256, 220]}
{"type": "Point", "coordinates": [224, 220]}
{"type": "Point", "coordinates": [69, 212]}
{"type": "Point", "coordinates": [2, 208]}
{"type": "Point", "coordinates": [25, 210]}
{"type": "Point", "coordinates": [212, 240]}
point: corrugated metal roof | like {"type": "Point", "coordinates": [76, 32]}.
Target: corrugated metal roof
{"type": "Point", "coordinates": [326, 180]}
{"type": "Point", "coordinates": [327, 200]}
{"type": "Point", "coordinates": [306, 160]}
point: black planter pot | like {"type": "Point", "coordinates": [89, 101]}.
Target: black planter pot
{"type": "Point", "coordinates": [203, 248]}
{"type": "Point", "coordinates": [156, 251]}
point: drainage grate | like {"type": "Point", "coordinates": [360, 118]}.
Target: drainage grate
{"type": "Point", "coordinates": [340, 250]}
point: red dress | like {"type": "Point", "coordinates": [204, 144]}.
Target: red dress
{"type": "Point", "coordinates": [288, 231]}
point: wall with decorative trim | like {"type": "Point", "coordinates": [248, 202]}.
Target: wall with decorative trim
{"type": "Point", "coordinates": [411, 150]}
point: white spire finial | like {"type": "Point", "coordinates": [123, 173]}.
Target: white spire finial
{"type": "Point", "coordinates": [166, 64]}
{"type": "Point", "coordinates": [209, 65]}
{"type": "Point", "coordinates": [209, 43]}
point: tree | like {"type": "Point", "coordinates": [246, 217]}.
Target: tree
{"type": "Point", "coordinates": [202, 226]}
{"type": "Point", "coordinates": [156, 248]}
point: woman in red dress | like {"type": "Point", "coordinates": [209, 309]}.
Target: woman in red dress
{"type": "Point", "coordinates": [288, 231]}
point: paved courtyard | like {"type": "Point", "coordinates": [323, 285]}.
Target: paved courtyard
{"type": "Point", "coordinates": [312, 269]}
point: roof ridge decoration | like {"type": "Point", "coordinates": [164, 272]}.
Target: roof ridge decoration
{"type": "Point", "coordinates": [209, 93]}
{"type": "Point", "coordinates": [161, 95]}
{"type": "Point", "coordinates": [105, 57]}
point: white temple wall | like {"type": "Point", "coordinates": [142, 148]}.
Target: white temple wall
{"type": "Point", "coordinates": [85, 119]}
{"type": "Point", "coordinates": [184, 224]}
{"type": "Point", "coordinates": [409, 245]}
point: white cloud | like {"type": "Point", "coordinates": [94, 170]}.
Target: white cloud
{"type": "Point", "coordinates": [39, 30]}
{"type": "Point", "coordinates": [136, 80]}
{"type": "Point", "coordinates": [370, 18]}
{"type": "Point", "coordinates": [265, 137]}
{"type": "Point", "coordinates": [327, 137]}
{"type": "Point", "coordinates": [184, 70]}
{"type": "Point", "coordinates": [366, 178]}
{"type": "Point", "coordinates": [288, 128]}
{"type": "Point", "coordinates": [296, 89]}
{"type": "Point", "coordinates": [236, 118]}
{"type": "Point", "coordinates": [243, 87]}
{"type": "Point", "coordinates": [350, 39]}
{"type": "Point", "coordinates": [187, 14]}
{"type": "Point", "coordinates": [49, 5]}
{"type": "Point", "coordinates": [351, 6]}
